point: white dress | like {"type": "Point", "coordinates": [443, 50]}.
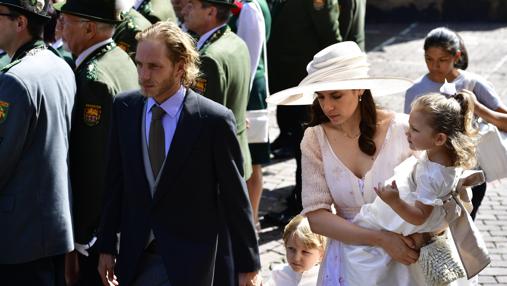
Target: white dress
{"type": "Point", "coordinates": [283, 275]}
{"type": "Point", "coordinates": [431, 182]}
{"type": "Point", "coordinates": [328, 182]}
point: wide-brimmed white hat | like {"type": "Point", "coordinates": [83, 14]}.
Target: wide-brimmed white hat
{"type": "Point", "coordinates": [341, 66]}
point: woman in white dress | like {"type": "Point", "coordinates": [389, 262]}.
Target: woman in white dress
{"type": "Point", "coordinates": [349, 148]}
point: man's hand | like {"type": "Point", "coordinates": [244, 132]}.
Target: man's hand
{"type": "Point", "coordinates": [389, 193]}
{"type": "Point", "coordinates": [106, 269]}
{"type": "Point", "coordinates": [249, 279]}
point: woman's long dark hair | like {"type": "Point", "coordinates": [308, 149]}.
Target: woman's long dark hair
{"type": "Point", "coordinates": [450, 41]}
{"type": "Point", "coordinates": [367, 126]}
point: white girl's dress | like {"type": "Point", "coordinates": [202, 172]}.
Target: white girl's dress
{"type": "Point", "coordinates": [430, 183]}
{"type": "Point", "coordinates": [283, 275]}
{"type": "Point", "coordinates": [328, 182]}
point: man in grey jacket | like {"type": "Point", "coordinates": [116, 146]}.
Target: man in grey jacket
{"type": "Point", "coordinates": [37, 91]}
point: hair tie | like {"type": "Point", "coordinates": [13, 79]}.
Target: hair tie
{"type": "Point", "coordinates": [448, 89]}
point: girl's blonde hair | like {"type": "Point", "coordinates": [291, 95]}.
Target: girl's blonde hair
{"type": "Point", "coordinates": [299, 228]}
{"type": "Point", "coordinates": [452, 116]}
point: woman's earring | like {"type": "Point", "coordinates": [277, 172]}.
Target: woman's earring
{"type": "Point", "coordinates": [360, 98]}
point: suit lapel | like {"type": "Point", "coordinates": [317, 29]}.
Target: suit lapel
{"type": "Point", "coordinates": [132, 120]}
{"type": "Point", "coordinates": [187, 130]}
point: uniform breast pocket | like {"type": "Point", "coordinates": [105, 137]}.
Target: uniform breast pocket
{"type": "Point", "coordinates": [7, 203]}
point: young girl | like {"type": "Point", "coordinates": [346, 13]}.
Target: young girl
{"type": "Point", "coordinates": [304, 250]}
{"type": "Point", "coordinates": [441, 128]}
{"type": "Point", "coordinates": [446, 59]}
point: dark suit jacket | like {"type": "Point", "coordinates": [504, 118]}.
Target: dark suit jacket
{"type": "Point", "coordinates": [201, 189]}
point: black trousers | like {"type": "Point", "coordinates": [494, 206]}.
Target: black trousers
{"type": "Point", "coordinates": [290, 119]}
{"type": "Point", "coordinates": [88, 269]}
{"type": "Point", "coordinates": [47, 271]}
{"type": "Point", "coordinates": [297, 124]}
{"type": "Point", "coordinates": [477, 197]}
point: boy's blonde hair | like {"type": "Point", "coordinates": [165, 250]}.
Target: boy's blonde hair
{"type": "Point", "coordinates": [300, 228]}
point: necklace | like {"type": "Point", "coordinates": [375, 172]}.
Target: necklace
{"type": "Point", "coordinates": [353, 137]}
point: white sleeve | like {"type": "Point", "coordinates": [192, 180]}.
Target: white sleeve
{"type": "Point", "coordinates": [252, 30]}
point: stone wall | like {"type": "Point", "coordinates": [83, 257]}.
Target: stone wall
{"type": "Point", "coordinates": [431, 10]}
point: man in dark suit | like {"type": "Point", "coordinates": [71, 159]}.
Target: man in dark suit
{"type": "Point", "coordinates": [175, 185]}
{"type": "Point", "coordinates": [102, 71]}
{"type": "Point", "coordinates": [37, 93]}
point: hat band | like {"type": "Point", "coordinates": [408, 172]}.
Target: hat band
{"type": "Point", "coordinates": [336, 74]}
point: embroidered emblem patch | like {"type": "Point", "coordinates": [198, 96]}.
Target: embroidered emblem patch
{"type": "Point", "coordinates": [91, 115]}
{"type": "Point", "coordinates": [4, 110]}
{"type": "Point", "coordinates": [124, 46]}
{"type": "Point", "coordinates": [318, 4]}
{"type": "Point", "coordinates": [200, 85]}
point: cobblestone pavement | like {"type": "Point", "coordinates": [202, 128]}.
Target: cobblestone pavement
{"type": "Point", "coordinates": [396, 49]}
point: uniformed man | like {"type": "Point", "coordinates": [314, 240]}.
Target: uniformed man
{"type": "Point", "coordinates": [4, 59]}
{"type": "Point", "coordinates": [102, 71]}
{"type": "Point", "coordinates": [352, 17]}
{"type": "Point", "coordinates": [252, 23]}
{"type": "Point", "coordinates": [225, 63]}
{"type": "Point", "coordinates": [156, 10]}
{"type": "Point", "coordinates": [37, 93]}
{"type": "Point", "coordinates": [132, 22]}
{"type": "Point", "coordinates": [300, 29]}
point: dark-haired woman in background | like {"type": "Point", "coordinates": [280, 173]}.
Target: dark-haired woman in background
{"type": "Point", "coordinates": [446, 58]}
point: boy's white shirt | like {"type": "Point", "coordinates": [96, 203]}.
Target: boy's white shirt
{"type": "Point", "coordinates": [283, 275]}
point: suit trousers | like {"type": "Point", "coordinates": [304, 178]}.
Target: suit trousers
{"type": "Point", "coordinates": [47, 271]}
{"type": "Point", "coordinates": [88, 273]}
{"type": "Point", "coordinates": [151, 271]}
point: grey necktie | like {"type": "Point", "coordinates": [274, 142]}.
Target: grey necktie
{"type": "Point", "coordinates": [156, 148]}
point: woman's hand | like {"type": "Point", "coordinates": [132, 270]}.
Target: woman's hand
{"type": "Point", "coordinates": [399, 247]}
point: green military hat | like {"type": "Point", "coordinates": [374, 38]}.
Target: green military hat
{"type": "Point", "coordinates": [95, 10]}
{"type": "Point", "coordinates": [229, 3]}
{"type": "Point", "coordinates": [36, 8]}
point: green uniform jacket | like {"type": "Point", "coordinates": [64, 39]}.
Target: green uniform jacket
{"type": "Point", "coordinates": [298, 32]}
{"type": "Point", "coordinates": [157, 10]}
{"type": "Point", "coordinates": [352, 16]}
{"type": "Point", "coordinates": [125, 33]}
{"type": "Point", "coordinates": [36, 97]}
{"type": "Point", "coordinates": [4, 59]}
{"type": "Point", "coordinates": [225, 65]}
{"type": "Point", "coordinates": [102, 75]}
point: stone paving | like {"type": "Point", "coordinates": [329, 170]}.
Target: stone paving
{"type": "Point", "coordinates": [396, 49]}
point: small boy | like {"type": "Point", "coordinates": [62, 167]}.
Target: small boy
{"type": "Point", "coordinates": [304, 251]}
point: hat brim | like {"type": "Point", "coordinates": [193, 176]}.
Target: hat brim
{"type": "Point", "coordinates": [305, 94]}
{"type": "Point", "coordinates": [30, 13]}
{"type": "Point", "coordinates": [220, 3]}
{"type": "Point", "coordinates": [69, 9]}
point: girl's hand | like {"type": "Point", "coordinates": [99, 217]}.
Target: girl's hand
{"type": "Point", "coordinates": [389, 193]}
{"type": "Point", "coordinates": [399, 247]}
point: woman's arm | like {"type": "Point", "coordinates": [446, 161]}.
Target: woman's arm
{"type": "Point", "coordinates": [496, 117]}
{"type": "Point", "coordinates": [317, 202]}
{"type": "Point", "coordinates": [400, 248]}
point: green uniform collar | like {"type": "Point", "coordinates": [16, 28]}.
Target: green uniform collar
{"type": "Point", "coordinates": [23, 51]}
{"type": "Point", "coordinates": [96, 54]}
{"type": "Point", "coordinates": [26, 48]}
{"type": "Point", "coordinates": [215, 36]}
